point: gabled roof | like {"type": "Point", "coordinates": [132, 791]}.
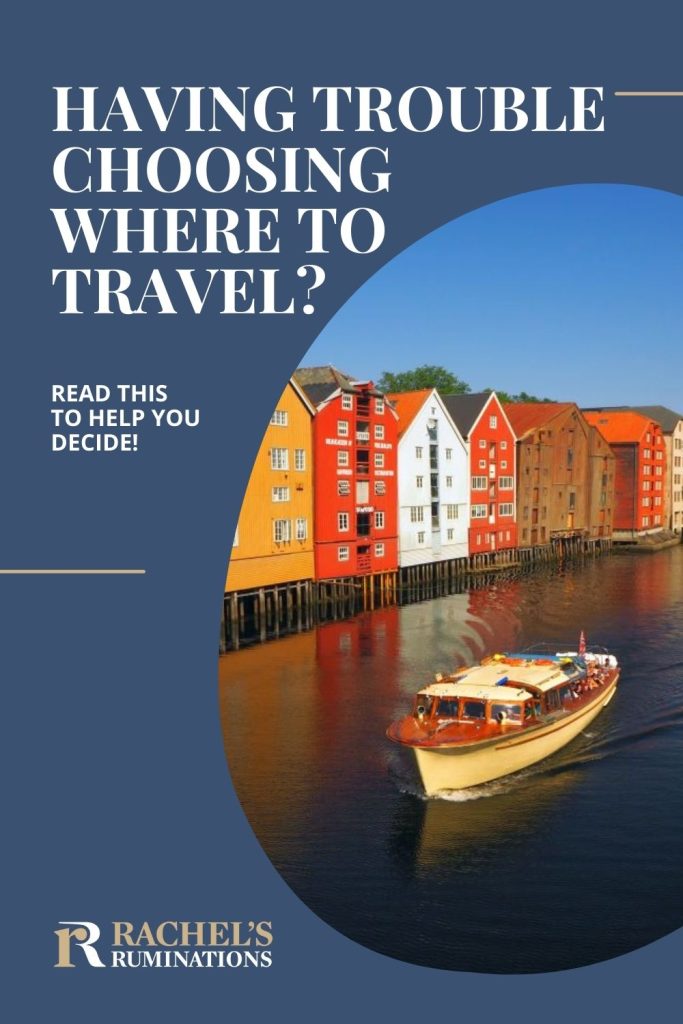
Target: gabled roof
{"type": "Point", "coordinates": [307, 375]}
{"type": "Point", "coordinates": [619, 426]}
{"type": "Point", "coordinates": [320, 382]}
{"type": "Point", "coordinates": [465, 410]}
{"type": "Point", "coordinates": [301, 395]}
{"type": "Point", "coordinates": [667, 418]}
{"type": "Point", "coordinates": [407, 405]}
{"type": "Point", "coordinates": [527, 416]}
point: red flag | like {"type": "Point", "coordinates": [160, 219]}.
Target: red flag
{"type": "Point", "coordinates": [582, 643]}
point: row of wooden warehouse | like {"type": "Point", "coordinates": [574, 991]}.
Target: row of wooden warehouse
{"type": "Point", "coordinates": [351, 484]}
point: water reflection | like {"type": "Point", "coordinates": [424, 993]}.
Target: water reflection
{"type": "Point", "coordinates": [531, 873]}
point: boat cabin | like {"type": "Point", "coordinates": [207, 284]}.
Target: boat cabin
{"type": "Point", "coordinates": [446, 703]}
{"type": "Point", "coordinates": [504, 690]}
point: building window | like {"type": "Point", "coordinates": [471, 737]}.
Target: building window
{"type": "Point", "coordinates": [282, 530]}
{"type": "Point", "coordinates": [300, 459]}
{"type": "Point", "coordinates": [379, 431]}
{"type": "Point", "coordinates": [479, 511]}
{"type": "Point", "coordinates": [647, 453]}
{"type": "Point", "coordinates": [646, 520]}
{"type": "Point", "coordinates": [451, 511]}
{"type": "Point", "coordinates": [280, 493]}
{"type": "Point", "coordinates": [279, 418]}
{"type": "Point", "coordinates": [344, 488]}
{"type": "Point", "coordinates": [343, 553]}
{"type": "Point", "coordinates": [449, 534]}
{"type": "Point", "coordinates": [449, 481]}
{"type": "Point", "coordinates": [379, 460]}
{"type": "Point", "coordinates": [379, 520]}
{"type": "Point", "coordinates": [342, 458]}
{"type": "Point", "coordinates": [505, 483]}
{"type": "Point", "coordinates": [417, 514]}
{"type": "Point", "coordinates": [503, 464]}
{"type": "Point", "coordinates": [482, 442]}
{"type": "Point", "coordinates": [301, 529]}
{"type": "Point", "coordinates": [379, 550]}
{"type": "Point", "coordinates": [421, 537]}
{"type": "Point", "coordinates": [342, 428]}
{"type": "Point", "coordinates": [479, 483]}
{"type": "Point", "coordinates": [493, 422]}
{"type": "Point", "coordinates": [379, 406]}
{"type": "Point", "coordinates": [482, 463]}
{"type": "Point", "coordinates": [279, 458]}
{"type": "Point", "coordinates": [504, 445]}
{"type": "Point", "coordinates": [418, 452]}
{"type": "Point", "coordinates": [505, 508]}
{"type": "Point", "coordinates": [343, 522]}
{"type": "Point", "coordinates": [449, 453]}
{"type": "Point", "coordinates": [347, 402]}
{"type": "Point", "coordinates": [380, 487]}
{"type": "Point", "coordinates": [419, 480]}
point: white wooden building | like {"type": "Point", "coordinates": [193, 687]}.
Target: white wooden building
{"type": "Point", "coordinates": [433, 481]}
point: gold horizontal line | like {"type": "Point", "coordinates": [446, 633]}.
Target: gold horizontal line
{"type": "Point", "coordinates": [72, 572]}
{"type": "Point", "coordinates": [649, 93]}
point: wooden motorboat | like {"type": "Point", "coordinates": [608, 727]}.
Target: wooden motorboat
{"type": "Point", "coordinates": [512, 710]}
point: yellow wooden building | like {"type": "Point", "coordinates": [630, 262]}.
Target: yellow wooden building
{"type": "Point", "coordinates": [274, 539]}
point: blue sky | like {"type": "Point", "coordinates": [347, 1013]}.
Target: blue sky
{"type": "Point", "coordinates": [575, 293]}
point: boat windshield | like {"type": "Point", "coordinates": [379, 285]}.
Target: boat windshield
{"type": "Point", "coordinates": [473, 709]}
{"type": "Point", "coordinates": [448, 708]}
{"type": "Point", "coordinates": [501, 712]}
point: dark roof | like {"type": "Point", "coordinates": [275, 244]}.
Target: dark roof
{"type": "Point", "coordinates": [666, 418]}
{"type": "Point", "coordinates": [306, 375]}
{"type": "Point", "coordinates": [464, 410]}
{"type": "Point", "coordinates": [317, 393]}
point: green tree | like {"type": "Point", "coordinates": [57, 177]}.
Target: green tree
{"type": "Point", "coordinates": [421, 377]}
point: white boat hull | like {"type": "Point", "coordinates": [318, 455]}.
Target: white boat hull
{"type": "Point", "coordinates": [460, 766]}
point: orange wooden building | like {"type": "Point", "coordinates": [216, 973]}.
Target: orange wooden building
{"type": "Point", "coordinates": [274, 538]}
{"type": "Point", "coordinates": [640, 470]}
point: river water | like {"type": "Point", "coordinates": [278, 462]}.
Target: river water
{"type": "Point", "coordinates": [575, 860]}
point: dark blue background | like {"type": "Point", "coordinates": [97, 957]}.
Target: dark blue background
{"type": "Point", "coordinates": [119, 803]}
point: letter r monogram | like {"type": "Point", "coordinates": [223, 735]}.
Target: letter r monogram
{"type": "Point", "coordinates": [85, 935]}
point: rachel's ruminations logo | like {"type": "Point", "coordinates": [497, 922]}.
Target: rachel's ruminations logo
{"type": "Point", "coordinates": [80, 933]}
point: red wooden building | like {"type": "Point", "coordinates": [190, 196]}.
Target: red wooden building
{"type": "Point", "coordinates": [640, 471]}
{"type": "Point", "coordinates": [355, 434]}
{"type": "Point", "coordinates": [490, 440]}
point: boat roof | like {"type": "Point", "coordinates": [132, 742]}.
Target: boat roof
{"type": "Point", "coordinates": [487, 681]}
{"type": "Point", "coordinates": [504, 694]}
